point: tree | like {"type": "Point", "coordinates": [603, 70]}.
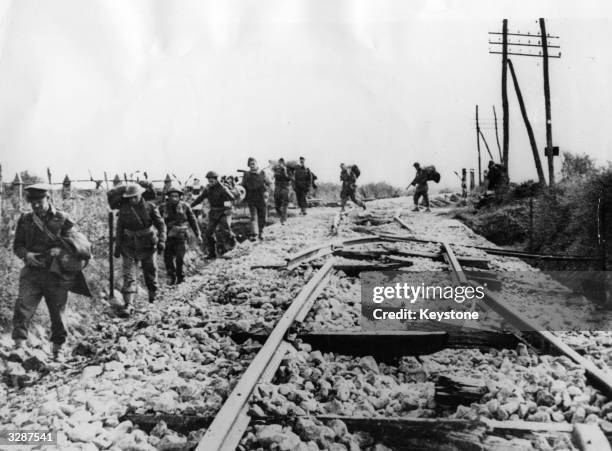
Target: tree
{"type": "Point", "coordinates": [576, 165]}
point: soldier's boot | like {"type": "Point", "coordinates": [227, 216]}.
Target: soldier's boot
{"type": "Point", "coordinates": [128, 307]}
{"type": "Point", "coordinates": [428, 210]}
{"type": "Point", "coordinates": [416, 208]}
{"type": "Point", "coordinates": [180, 279]}
{"type": "Point", "coordinates": [152, 296]}
{"type": "Point", "coordinates": [172, 279]}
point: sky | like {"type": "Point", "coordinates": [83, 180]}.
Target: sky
{"type": "Point", "coordinates": [186, 86]}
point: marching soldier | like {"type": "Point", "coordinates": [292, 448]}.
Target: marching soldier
{"type": "Point", "coordinates": [256, 184]}
{"type": "Point", "coordinates": [304, 179]}
{"type": "Point", "coordinates": [420, 181]}
{"type": "Point", "coordinates": [41, 239]}
{"type": "Point", "coordinates": [282, 180]}
{"type": "Point", "coordinates": [178, 216]}
{"type": "Point", "coordinates": [140, 232]}
{"type": "Point", "coordinates": [348, 177]}
{"type": "Point", "coordinates": [220, 198]}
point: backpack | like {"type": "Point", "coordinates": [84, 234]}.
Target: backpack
{"type": "Point", "coordinates": [149, 193]}
{"type": "Point", "coordinates": [355, 169]}
{"type": "Point", "coordinates": [432, 174]}
{"type": "Point", "coordinates": [255, 182]}
{"type": "Point", "coordinates": [115, 196]}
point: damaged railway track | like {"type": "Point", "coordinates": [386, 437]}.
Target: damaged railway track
{"type": "Point", "coordinates": [228, 427]}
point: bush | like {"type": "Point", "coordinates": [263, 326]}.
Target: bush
{"type": "Point", "coordinates": [380, 190]}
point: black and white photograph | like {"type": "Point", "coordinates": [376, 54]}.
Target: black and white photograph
{"type": "Point", "coordinates": [305, 225]}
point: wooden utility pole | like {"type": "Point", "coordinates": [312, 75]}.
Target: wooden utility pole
{"type": "Point", "coordinates": [550, 153]}
{"type": "Point", "coordinates": [478, 147]}
{"type": "Point", "coordinates": [484, 140]}
{"type": "Point", "coordinates": [532, 141]}
{"type": "Point", "coordinates": [505, 118]}
{"type": "Point", "coordinates": [497, 136]}
{"type": "Point", "coordinates": [524, 44]}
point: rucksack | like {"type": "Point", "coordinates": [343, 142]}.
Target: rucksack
{"type": "Point", "coordinates": [432, 174]}
{"type": "Point", "coordinates": [355, 169]}
{"type": "Point", "coordinates": [115, 197]}
{"type": "Point", "coordinates": [255, 182]}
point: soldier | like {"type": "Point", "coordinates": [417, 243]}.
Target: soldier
{"type": "Point", "coordinates": [348, 177]}
{"type": "Point", "coordinates": [282, 180]}
{"type": "Point", "coordinates": [494, 175]}
{"type": "Point", "coordinates": [304, 179]}
{"type": "Point", "coordinates": [40, 237]}
{"type": "Point", "coordinates": [220, 198]}
{"type": "Point", "coordinates": [420, 181]}
{"type": "Point", "coordinates": [140, 232]}
{"type": "Point", "coordinates": [178, 216]}
{"type": "Point", "coordinates": [256, 184]}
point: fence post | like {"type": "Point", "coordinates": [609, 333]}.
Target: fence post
{"type": "Point", "coordinates": [1, 192]}
{"type": "Point", "coordinates": [472, 182]}
{"type": "Point", "coordinates": [531, 223]}
{"type": "Point", "coordinates": [17, 191]}
{"type": "Point", "coordinates": [66, 187]}
{"type": "Point", "coordinates": [602, 231]}
{"type": "Point", "coordinates": [111, 262]}
{"type": "Point", "coordinates": [464, 183]}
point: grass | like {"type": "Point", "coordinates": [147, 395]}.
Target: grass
{"type": "Point", "coordinates": [89, 210]}
{"type": "Point", "coordinates": [563, 220]}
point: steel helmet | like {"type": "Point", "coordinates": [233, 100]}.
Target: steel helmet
{"type": "Point", "coordinates": [212, 175]}
{"type": "Point", "coordinates": [133, 189]}
{"type": "Point", "coordinates": [174, 189]}
{"type": "Point", "coordinates": [37, 191]}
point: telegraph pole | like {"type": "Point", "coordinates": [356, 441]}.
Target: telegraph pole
{"type": "Point", "coordinates": [532, 141]}
{"type": "Point", "coordinates": [550, 153]}
{"type": "Point", "coordinates": [501, 160]}
{"type": "Point", "coordinates": [522, 45]}
{"type": "Point", "coordinates": [478, 147]}
{"type": "Point", "coordinates": [505, 125]}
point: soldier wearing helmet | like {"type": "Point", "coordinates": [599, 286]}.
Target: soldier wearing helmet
{"type": "Point", "coordinates": [256, 184]}
{"type": "Point", "coordinates": [420, 181]}
{"type": "Point", "coordinates": [39, 239]}
{"type": "Point", "coordinates": [220, 197]}
{"type": "Point", "coordinates": [282, 180]}
{"type": "Point", "coordinates": [140, 232]}
{"type": "Point", "coordinates": [178, 217]}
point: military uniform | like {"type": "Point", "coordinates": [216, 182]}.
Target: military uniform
{"type": "Point", "coordinates": [349, 188]}
{"type": "Point", "coordinates": [304, 179]}
{"type": "Point", "coordinates": [140, 232]}
{"type": "Point", "coordinates": [220, 215]}
{"type": "Point", "coordinates": [420, 180]}
{"type": "Point", "coordinates": [282, 180]}
{"type": "Point", "coordinates": [256, 184]}
{"type": "Point", "coordinates": [36, 282]}
{"type": "Point", "coordinates": [178, 217]}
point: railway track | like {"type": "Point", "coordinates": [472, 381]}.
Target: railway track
{"type": "Point", "coordinates": [229, 425]}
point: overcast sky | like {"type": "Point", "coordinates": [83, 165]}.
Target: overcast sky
{"type": "Point", "coordinates": [189, 86]}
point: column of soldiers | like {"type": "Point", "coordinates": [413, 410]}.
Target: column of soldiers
{"type": "Point", "coordinates": [144, 231]}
